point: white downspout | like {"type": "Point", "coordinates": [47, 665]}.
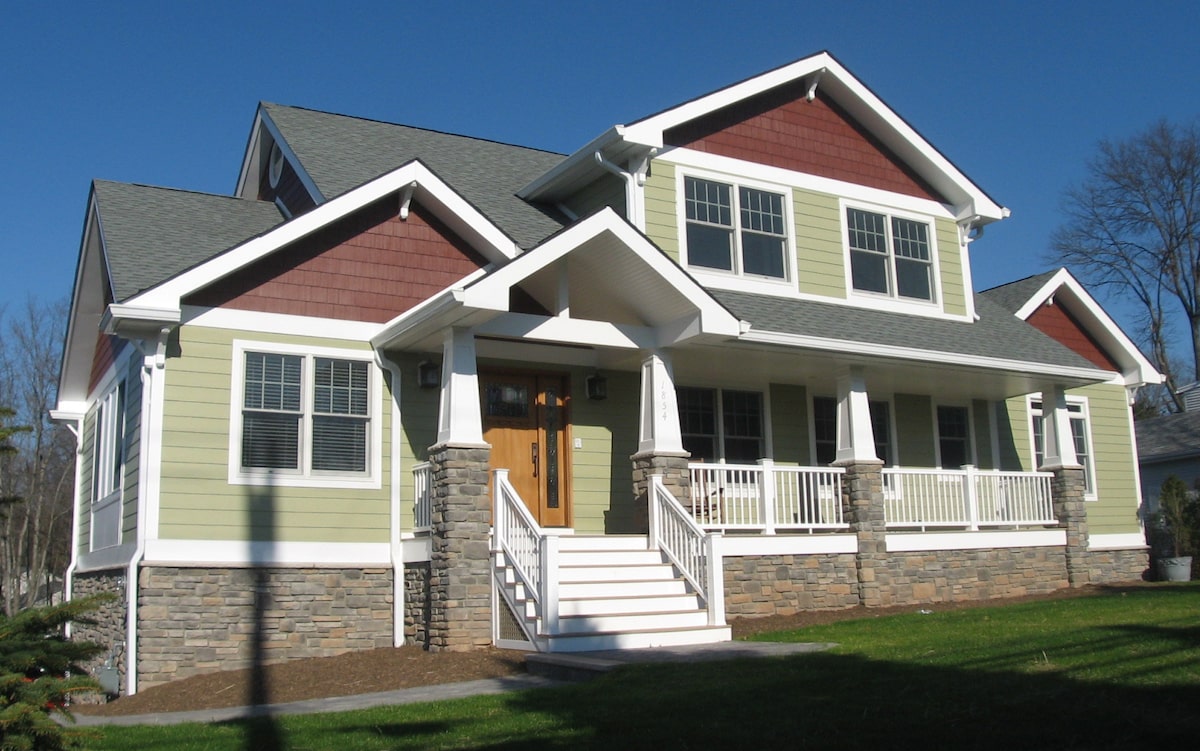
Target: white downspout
{"type": "Point", "coordinates": [395, 548]}
{"type": "Point", "coordinates": [634, 179]}
{"type": "Point", "coordinates": [148, 468]}
{"type": "Point", "coordinates": [76, 428]}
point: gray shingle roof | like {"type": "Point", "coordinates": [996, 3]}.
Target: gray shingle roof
{"type": "Point", "coordinates": [1168, 437]}
{"type": "Point", "coordinates": [1013, 295]}
{"type": "Point", "coordinates": [152, 234]}
{"type": "Point", "coordinates": [340, 153]}
{"type": "Point", "coordinates": [997, 333]}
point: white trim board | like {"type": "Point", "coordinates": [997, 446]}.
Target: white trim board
{"type": "Point", "coordinates": [756, 545]}
{"type": "Point", "coordinates": [1117, 541]}
{"type": "Point", "coordinates": [919, 541]}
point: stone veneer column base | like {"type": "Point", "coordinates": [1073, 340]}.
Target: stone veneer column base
{"type": "Point", "coordinates": [1066, 491]}
{"type": "Point", "coordinates": [862, 504]}
{"type": "Point", "coordinates": [460, 567]}
{"type": "Point", "coordinates": [673, 466]}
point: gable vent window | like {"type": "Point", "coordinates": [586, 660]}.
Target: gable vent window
{"type": "Point", "coordinates": [735, 228]}
{"type": "Point", "coordinates": [890, 255]}
{"type": "Point", "coordinates": [305, 416]}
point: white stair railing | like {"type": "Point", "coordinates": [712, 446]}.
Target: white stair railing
{"type": "Point", "coordinates": [528, 551]}
{"type": "Point", "coordinates": [694, 552]}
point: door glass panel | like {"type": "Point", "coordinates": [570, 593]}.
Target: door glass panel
{"type": "Point", "coordinates": [552, 434]}
{"type": "Point", "coordinates": [507, 400]}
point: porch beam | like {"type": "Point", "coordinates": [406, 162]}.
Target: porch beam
{"type": "Point", "coordinates": [855, 437]}
{"type": "Point", "coordinates": [459, 417]}
{"type": "Point", "coordinates": [566, 330]}
{"type": "Point", "coordinates": [658, 429]}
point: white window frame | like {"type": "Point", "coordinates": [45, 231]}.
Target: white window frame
{"type": "Point", "coordinates": [106, 485]}
{"type": "Point", "coordinates": [892, 300]}
{"type": "Point", "coordinates": [1077, 408]}
{"type": "Point", "coordinates": [719, 417]}
{"type": "Point", "coordinates": [305, 476]}
{"type": "Point", "coordinates": [972, 457]}
{"type": "Point", "coordinates": [736, 279]}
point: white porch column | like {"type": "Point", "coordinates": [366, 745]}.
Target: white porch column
{"type": "Point", "coordinates": [1058, 444]}
{"type": "Point", "coordinates": [659, 430]}
{"type": "Point", "coordinates": [459, 420]}
{"type": "Point", "coordinates": [855, 438]}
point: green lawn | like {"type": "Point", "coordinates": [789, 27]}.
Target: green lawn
{"type": "Point", "coordinates": [1118, 671]}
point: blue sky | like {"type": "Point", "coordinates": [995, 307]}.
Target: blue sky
{"type": "Point", "coordinates": [1016, 94]}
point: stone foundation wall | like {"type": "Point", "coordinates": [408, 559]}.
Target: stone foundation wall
{"type": "Point", "coordinates": [200, 620]}
{"type": "Point", "coordinates": [957, 575]}
{"type": "Point", "coordinates": [109, 629]}
{"type": "Point", "coordinates": [416, 604]}
{"type": "Point", "coordinates": [787, 584]}
{"type": "Point", "coordinates": [1114, 566]}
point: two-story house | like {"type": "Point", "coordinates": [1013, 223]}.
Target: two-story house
{"type": "Point", "coordinates": [726, 360]}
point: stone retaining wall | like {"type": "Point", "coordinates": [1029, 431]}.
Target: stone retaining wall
{"type": "Point", "coordinates": [109, 629]}
{"type": "Point", "coordinates": [199, 620]}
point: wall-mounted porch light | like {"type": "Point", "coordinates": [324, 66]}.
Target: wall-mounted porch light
{"type": "Point", "coordinates": [429, 375]}
{"type": "Point", "coordinates": [597, 387]}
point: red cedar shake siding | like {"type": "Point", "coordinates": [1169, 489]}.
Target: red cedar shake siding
{"type": "Point", "coordinates": [370, 267]}
{"type": "Point", "coordinates": [1055, 322]}
{"type": "Point", "coordinates": [107, 349]}
{"type": "Point", "coordinates": [780, 128]}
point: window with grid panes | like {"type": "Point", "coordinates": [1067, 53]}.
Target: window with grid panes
{"type": "Point", "coordinates": [889, 255]}
{"type": "Point", "coordinates": [1080, 437]}
{"type": "Point", "coordinates": [735, 228]}
{"type": "Point", "coordinates": [737, 437]}
{"type": "Point", "coordinates": [954, 440]}
{"type": "Point", "coordinates": [305, 414]}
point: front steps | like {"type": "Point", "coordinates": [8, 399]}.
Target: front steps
{"type": "Point", "coordinates": [615, 594]}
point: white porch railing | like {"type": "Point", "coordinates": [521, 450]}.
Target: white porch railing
{"type": "Point", "coordinates": [694, 552]}
{"type": "Point", "coordinates": [531, 554]}
{"type": "Point", "coordinates": [968, 498]}
{"type": "Point", "coordinates": [422, 489]}
{"type": "Point", "coordinates": [765, 497]}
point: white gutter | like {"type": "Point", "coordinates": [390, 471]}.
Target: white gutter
{"type": "Point", "coordinates": [634, 179]}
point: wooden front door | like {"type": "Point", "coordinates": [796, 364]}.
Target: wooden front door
{"type": "Point", "coordinates": [524, 419]}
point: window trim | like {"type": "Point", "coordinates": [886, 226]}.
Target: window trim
{"type": "Point", "coordinates": [892, 300]}
{"type": "Point", "coordinates": [972, 452]}
{"type": "Point", "coordinates": [109, 439]}
{"type": "Point", "coordinates": [1091, 490]}
{"type": "Point", "coordinates": [736, 278]}
{"type": "Point", "coordinates": [719, 418]}
{"type": "Point", "coordinates": [305, 477]}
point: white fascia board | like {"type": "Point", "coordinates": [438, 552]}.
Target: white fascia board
{"type": "Point", "coordinates": [242, 553]}
{"type": "Point", "coordinates": [69, 411]}
{"type": "Point", "coordinates": [582, 161]}
{"type": "Point", "coordinates": [1085, 375]}
{"type": "Point", "coordinates": [970, 201]}
{"type": "Point", "coordinates": [1118, 541]}
{"type": "Point", "coordinates": [87, 299]}
{"type": "Point", "coordinates": [490, 291]}
{"type": "Point", "coordinates": [1136, 369]}
{"type": "Point", "coordinates": [135, 321]}
{"type": "Point", "coordinates": [910, 542]}
{"type": "Point", "coordinates": [252, 156]}
{"type": "Point", "coordinates": [488, 238]}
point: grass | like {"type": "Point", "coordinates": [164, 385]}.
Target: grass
{"type": "Point", "coordinates": [1119, 671]}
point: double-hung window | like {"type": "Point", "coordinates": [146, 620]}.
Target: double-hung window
{"type": "Point", "coordinates": [735, 228]}
{"type": "Point", "coordinates": [722, 425]}
{"type": "Point", "coordinates": [108, 466]}
{"type": "Point", "coordinates": [1080, 436]}
{"type": "Point", "coordinates": [305, 417]}
{"type": "Point", "coordinates": [954, 436]}
{"type": "Point", "coordinates": [890, 255]}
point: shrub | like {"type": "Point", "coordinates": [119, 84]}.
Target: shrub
{"type": "Point", "coordinates": [39, 670]}
{"type": "Point", "coordinates": [1179, 515]}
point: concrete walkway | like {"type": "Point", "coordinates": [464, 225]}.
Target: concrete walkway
{"type": "Point", "coordinates": [561, 668]}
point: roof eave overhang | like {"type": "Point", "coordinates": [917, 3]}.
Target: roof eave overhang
{"type": "Point", "coordinates": [1066, 376]}
{"type": "Point", "coordinates": [87, 303]}
{"type": "Point", "coordinates": [136, 322]}
{"type": "Point", "coordinates": [1064, 288]}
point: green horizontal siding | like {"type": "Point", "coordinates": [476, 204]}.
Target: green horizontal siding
{"type": "Point", "coordinates": [601, 470]}
{"type": "Point", "coordinates": [820, 256]}
{"type": "Point", "coordinates": [662, 223]}
{"type": "Point", "coordinates": [608, 190]}
{"type": "Point", "coordinates": [954, 296]}
{"type": "Point", "coordinates": [197, 500]}
{"type": "Point", "coordinates": [133, 448]}
{"type": "Point", "coordinates": [789, 424]}
{"type": "Point", "coordinates": [915, 431]}
{"type": "Point", "coordinates": [1115, 508]}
